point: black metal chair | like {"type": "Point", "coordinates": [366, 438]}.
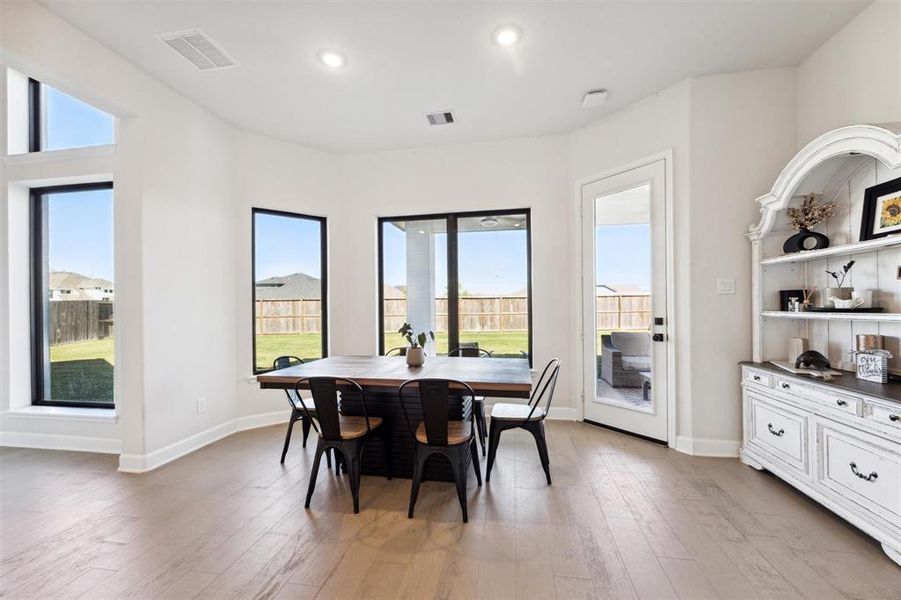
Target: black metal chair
{"type": "Point", "coordinates": [401, 351]}
{"type": "Point", "coordinates": [342, 434]}
{"type": "Point", "coordinates": [525, 416]}
{"type": "Point", "coordinates": [437, 434]}
{"type": "Point", "coordinates": [478, 403]}
{"type": "Point", "coordinates": [297, 413]}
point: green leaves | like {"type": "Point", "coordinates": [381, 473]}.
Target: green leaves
{"type": "Point", "coordinates": [415, 340]}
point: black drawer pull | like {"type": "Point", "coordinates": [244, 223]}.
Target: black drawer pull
{"type": "Point", "coordinates": [871, 477]}
{"type": "Point", "coordinates": [893, 417]}
{"type": "Point", "coordinates": [841, 402]}
{"type": "Point", "coordinates": [779, 433]}
{"type": "Point", "coordinates": [785, 386]}
{"type": "Point", "coordinates": [756, 378]}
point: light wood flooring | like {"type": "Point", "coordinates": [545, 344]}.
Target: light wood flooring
{"type": "Point", "coordinates": [624, 519]}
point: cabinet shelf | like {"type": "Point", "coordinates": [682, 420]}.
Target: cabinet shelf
{"type": "Point", "coordinates": [831, 316]}
{"type": "Point", "coordinates": [843, 249]}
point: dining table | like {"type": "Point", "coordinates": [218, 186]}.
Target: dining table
{"type": "Point", "coordinates": [380, 377]}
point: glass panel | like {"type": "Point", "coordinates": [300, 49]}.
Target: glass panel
{"type": "Point", "coordinates": [70, 123]}
{"type": "Point", "coordinates": [492, 271]}
{"type": "Point", "coordinates": [77, 276]}
{"type": "Point", "coordinates": [623, 297]}
{"type": "Point", "coordinates": [414, 271]}
{"type": "Point", "coordinates": [288, 290]}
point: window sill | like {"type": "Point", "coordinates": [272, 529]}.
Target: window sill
{"type": "Point", "coordinates": [30, 158]}
{"type": "Point", "coordinates": [65, 413]}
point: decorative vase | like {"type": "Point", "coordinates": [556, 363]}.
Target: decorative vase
{"type": "Point", "coordinates": [805, 240]}
{"type": "Point", "coordinates": [415, 357]}
{"type": "Point", "coordinates": [840, 293]}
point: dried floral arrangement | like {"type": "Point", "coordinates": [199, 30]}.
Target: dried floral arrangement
{"type": "Point", "coordinates": [809, 214]}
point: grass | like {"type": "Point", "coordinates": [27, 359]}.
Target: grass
{"type": "Point", "coordinates": [82, 371]}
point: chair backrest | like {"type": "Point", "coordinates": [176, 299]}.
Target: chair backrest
{"type": "Point", "coordinates": [283, 362]}
{"type": "Point", "coordinates": [401, 351]}
{"type": "Point", "coordinates": [545, 387]}
{"type": "Point", "coordinates": [328, 407]}
{"type": "Point", "coordinates": [434, 400]}
{"type": "Point", "coordinates": [631, 343]}
{"type": "Point", "coordinates": [469, 351]}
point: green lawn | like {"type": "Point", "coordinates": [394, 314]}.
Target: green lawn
{"type": "Point", "coordinates": [82, 371]}
{"type": "Point", "coordinates": [269, 347]}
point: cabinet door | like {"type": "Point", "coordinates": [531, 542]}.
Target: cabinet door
{"type": "Point", "coordinates": [780, 431]}
{"type": "Point", "coordinates": [860, 468]}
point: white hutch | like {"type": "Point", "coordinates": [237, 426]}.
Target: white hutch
{"type": "Point", "coordinates": [837, 441]}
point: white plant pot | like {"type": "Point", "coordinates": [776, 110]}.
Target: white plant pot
{"type": "Point", "coordinates": [415, 357]}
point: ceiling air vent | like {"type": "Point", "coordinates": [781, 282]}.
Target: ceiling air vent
{"type": "Point", "coordinates": [199, 49]}
{"type": "Point", "coordinates": [440, 118]}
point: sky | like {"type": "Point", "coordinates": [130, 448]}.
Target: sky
{"type": "Point", "coordinates": [81, 233]}
{"type": "Point", "coordinates": [70, 123]}
{"type": "Point", "coordinates": [624, 254]}
{"type": "Point", "coordinates": [286, 245]}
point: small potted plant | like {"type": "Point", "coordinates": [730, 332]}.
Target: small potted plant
{"type": "Point", "coordinates": [802, 219]}
{"type": "Point", "coordinates": [839, 292]}
{"type": "Point", "coordinates": [416, 352]}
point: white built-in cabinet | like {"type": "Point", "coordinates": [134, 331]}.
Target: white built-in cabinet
{"type": "Point", "coordinates": [840, 441]}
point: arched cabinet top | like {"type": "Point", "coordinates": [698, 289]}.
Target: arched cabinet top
{"type": "Point", "coordinates": [879, 142]}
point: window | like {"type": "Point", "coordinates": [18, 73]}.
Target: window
{"type": "Point", "coordinates": [465, 276]}
{"type": "Point", "coordinates": [59, 121]}
{"type": "Point", "coordinates": [72, 320]}
{"type": "Point", "coordinates": [290, 315]}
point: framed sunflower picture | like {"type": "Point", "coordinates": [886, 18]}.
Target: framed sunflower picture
{"type": "Point", "coordinates": [881, 210]}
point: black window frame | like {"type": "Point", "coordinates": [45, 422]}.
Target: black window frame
{"type": "Point", "coordinates": [323, 256]}
{"type": "Point", "coordinates": [39, 297]}
{"type": "Point", "coordinates": [35, 110]}
{"type": "Point", "coordinates": [453, 317]}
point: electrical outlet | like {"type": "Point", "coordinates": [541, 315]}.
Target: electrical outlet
{"type": "Point", "coordinates": [201, 406]}
{"type": "Point", "coordinates": [725, 286]}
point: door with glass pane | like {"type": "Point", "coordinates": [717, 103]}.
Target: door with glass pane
{"type": "Point", "coordinates": [625, 300]}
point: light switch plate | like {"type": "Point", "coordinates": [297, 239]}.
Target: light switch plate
{"type": "Point", "coordinates": [725, 286]}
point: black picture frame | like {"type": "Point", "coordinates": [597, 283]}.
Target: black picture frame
{"type": "Point", "coordinates": [868, 215]}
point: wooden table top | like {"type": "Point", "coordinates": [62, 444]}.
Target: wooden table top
{"type": "Point", "coordinates": [487, 376]}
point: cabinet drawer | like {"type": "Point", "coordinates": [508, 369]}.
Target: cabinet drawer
{"type": "Point", "coordinates": [758, 377]}
{"type": "Point", "coordinates": [868, 474]}
{"type": "Point", "coordinates": [824, 397]}
{"type": "Point", "coordinates": [779, 431]}
{"type": "Point", "coordinates": [885, 415]}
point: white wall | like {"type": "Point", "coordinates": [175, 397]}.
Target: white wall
{"type": "Point", "coordinates": [742, 132]}
{"type": "Point", "coordinates": [855, 77]}
{"type": "Point", "coordinates": [175, 227]}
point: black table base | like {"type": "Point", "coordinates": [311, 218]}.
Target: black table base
{"type": "Point", "coordinates": [403, 446]}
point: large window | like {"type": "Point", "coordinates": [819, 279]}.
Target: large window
{"type": "Point", "coordinates": [465, 276]}
{"type": "Point", "coordinates": [59, 121]}
{"type": "Point", "coordinates": [289, 287]}
{"type": "Point", "coordinates": [73, 292]}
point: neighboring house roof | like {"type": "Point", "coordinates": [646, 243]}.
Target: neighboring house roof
{"type": "Point", "coordinates": [296, 286]}
{"type": "Point", "coordinates": [393, 293]}
{"type": "Point", "coordinates": [61, 280]}
{"type": "Point", "coordinates": [620, 289]}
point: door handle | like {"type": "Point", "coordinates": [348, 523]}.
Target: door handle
{"type": "Point", "coordinates": [658, 337]}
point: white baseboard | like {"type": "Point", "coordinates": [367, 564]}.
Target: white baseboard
{"type": "Point", "coordinates": [56, 441]}
{"type": "Point", "coordinates": [707, 447]}
{"type": "Point", "coordinates": [141, 463]}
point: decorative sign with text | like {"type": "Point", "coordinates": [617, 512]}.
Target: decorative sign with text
{"type": "Point", "coordinates": [872, 367]}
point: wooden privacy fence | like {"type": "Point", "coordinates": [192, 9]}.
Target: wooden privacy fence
{"type": "Point", "coordinates": [477, 313]}
{"type": "Point", "coordinates": [79, 320]}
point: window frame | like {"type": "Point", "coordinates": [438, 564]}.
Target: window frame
{"type": "Point", "coordinates": [323, 257]}
{"type": "Point", "coordinates": [38, 297]}
{"type": "Point", "coordinates": [35, 137]}
{"type": "Point", "coordinates": [453, 317]}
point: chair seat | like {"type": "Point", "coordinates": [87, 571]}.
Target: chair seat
{"type": "Point", "coordinates": [355, 427]}
{"type": "Point", "coordinates": [458, 432]}
{"type": "Point", "coordinates": [515, 412]}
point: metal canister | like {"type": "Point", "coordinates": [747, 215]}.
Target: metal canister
{"type": "Point", "coordinates": [868, 341]}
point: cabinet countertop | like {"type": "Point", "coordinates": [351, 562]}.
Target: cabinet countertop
{"type": "Point", "coordinates": [848, 382]}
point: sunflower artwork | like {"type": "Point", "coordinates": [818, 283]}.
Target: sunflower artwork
{"type": "Point", "coordinates": [881, 210]}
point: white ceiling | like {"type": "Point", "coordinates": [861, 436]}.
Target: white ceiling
{"type": "Point", "coordinates": [406, 59]}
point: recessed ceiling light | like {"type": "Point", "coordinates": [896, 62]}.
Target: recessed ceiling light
{"type": "Point", "coordinates": [508, 35]}
{"type": "Point", "coordinates": [332, 58]}
{"type": "Point", "coordinates": [489, 222]}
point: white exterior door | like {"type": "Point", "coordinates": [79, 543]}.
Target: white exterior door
{"type": "Point", "coordinates": [625, 301]}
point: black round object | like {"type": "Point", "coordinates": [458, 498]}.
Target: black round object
{"type": "Point", "coordinates": [812, 360]}
{"type": "Point", "coordinates": [805, 240]}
